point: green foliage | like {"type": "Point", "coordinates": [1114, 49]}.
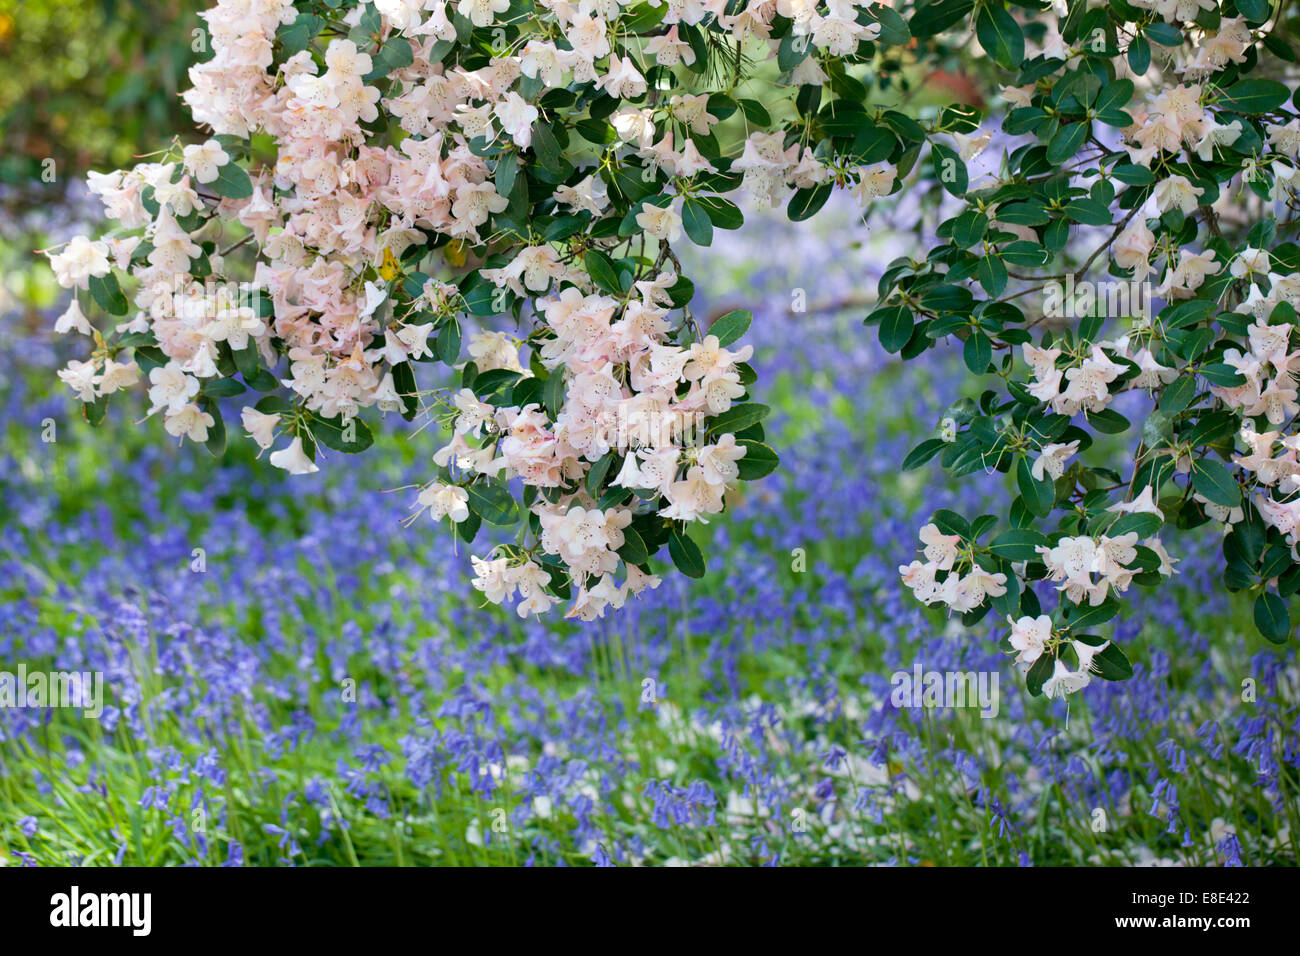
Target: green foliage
{"type": "Point", "coordinates": [87, 82]}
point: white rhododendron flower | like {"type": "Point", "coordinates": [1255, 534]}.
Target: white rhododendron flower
{"type": "Point", "coordinates": [205, 161]}
{"type": "Point", "coordinates": [293, 459]}
{"type": "Point", "coordinates": [79, 261]}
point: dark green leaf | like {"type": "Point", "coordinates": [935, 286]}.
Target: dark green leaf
{"type": "Point", "coordinates": [493, 503]}
{"type": "Point", "coordinates": [634, 550]}
{"type": "Point", "coordinates": [760, 460]}
{"type": "Point", "coordinates": [730, 327]}
{"type": "Point", "coordinates": [232, 182]}
{"type": "Point", "coordinates": [1272, 617]}
{"type": "Point", "coordinates": [686, 554]}
{"type": "Point", "coordinates": [1111, 663]}
{"type": "Point", "coordinates": [1000, 36]}
{"type": "Point", "coordinates": [737, 418]}
{"type": "Point", "coordinates": [1213, 480]}
{"type": "Point", "coordinates": [108, 294]}
{"type": "Point", "coordinates": [1039, 496]}
{"type": "Point", "coordinates": [1018, 544]}
{"type": "Point", "coordinates": [350, 437]}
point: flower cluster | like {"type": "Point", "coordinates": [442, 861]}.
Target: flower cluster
{"type": "Point", "coordinates": [949, 577]}
{"type": "Point", "coordinates": [1155, 192]}
{"type": "Point", "coordinates": [1033, 637]}
{"type": "Point", "coordinates": [402, 171]}
{"type": "Point", "coordinates": [498, 186]}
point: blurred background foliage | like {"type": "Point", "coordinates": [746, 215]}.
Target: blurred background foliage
{"type": "Point", "coordinates": [87, 82]}
{"type": "Point", "coordinates": [84, 84]}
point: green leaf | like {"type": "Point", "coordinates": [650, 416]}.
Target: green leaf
{"type": "Point", "coordinates": [992, 275]}
{"type": "Point", "coordinates": [730, 327]}
{"type": "Point", "coordinates": [547, 149]}
{"type": "Point", "coordinates": [1178, 395]}
{"type": "Point", "coordinates": [93, 412]}
{"type": "Point", "coordinates": [641, 17]}
{"type": "Point", "coordinates": [223, 387]}
{"type": "Point", "coordinates": [1276, 562]}
{"type": "Point", "coordinates": [1090, 615]}
{"type": "Point", "coordinates": [756, 112]}
{"type": "Point", "coordinates": [1067, 142]}
{"type": "Point", "coordinates": [448, 342]}
{"type": "Point", "coordinates": [466, 530]}
{"type": "Point", "coordinates": [1018, 544]}
{"type": "Point", "coordinates": [682, 292]}
{"type": "Point", "coordinates": [404, 382]}
{"type": "Point", "coordinates": [248, 361]}
{"type": "Point", "coordinates": [949, 522]}
{"type": "Point", "coordinates": [737, 418]}
{"type": "Point", "coordinates": [791, 53]}
{"type": "Point", "coordinates": [216, 443]}
{"type": "Point", "coordinates": [1166, 34]}
{"type": "Point", "coordinates": [1111, 663]}
{"type": "Point", "coordinates": [295, 37]}
{"type": "Point", "coordinates": [978, 352]}
{"type": "Point", "coordinates": [1143, 522]}
{"type": "Point", "coordinates": [1139, 55]}
{"type": "Point", "coordinates": [1024, 253]}
{"type": "Point", "coordinates": [893, 28]}
{"type": "Point", "coordinates": [350, 437]}
{"type": "Point", "coordinates": [1039, 496]}
{"type": "Point", "coordinates": [232, 182]}
{"type": "Point", "coordinates": [135, 339]}
{"type": "Point", "coordinates": [1219, 373]}
{"type": "Point", "coordinates": [1000, 36]}
{"type": "Point", "coordinates": [553, 391]}
{"type": "Point", "coordinates": [1088, 211]}
{"type": "Point", "coordinates": [1038, 674]}
{"type": "Point", "coordinates": [479, 295]}
{"type": "Point", "coordinates": [760, 460]}
{"type": "Point", "coordinates": [602, 271]}
{"type": "Point", "coordinates": [722, 213]}
{"type": "Point", "coordinates": [896, 326]}
{"type": "Point", "coordinates": [933, 18]}
{"type": "Point", "coordinates": [806, 202]}
{"type": "Point", "coordinates": [1255, 11]}
{"type": "Point", "coordinates": [923, 452]}
{"type": "Point", "coordinates": [969, 228]}
{"type": "Point", "coordinates": [108, 294]}
{"type": "Point", "coordinates": [494, 380]}
{"type": "Point", "coordinates": [1256, 95]}
{"type": "Point", "coordinates": [493, 503]}
{"type": "Point", "coordinates": [634, 550]}
{"type": "Point", "coordinates": [393, 55]}
{"type": "Point", "coordinates": [507, 172]}
{"type": "Point", "coordinates": [1213, 480]}
{"type": "Point", "coordinates": [1133, 175]}
{"type": "Point", "coordinates": [1108, 421]}
{"type": "Point", "coordinates": [1114, 95]}
{"type": "Point", "coordinates": [949, 169]}
{"type": "Point", "coordinates": [596, 475]}
{"type": "Point", "coordinates": [1027, 213]}
{"type": "Point", "coordinates": [696, 222]}
{"type": "Point", "coordinates": [873, 144]}
{"type": "Point", "coordinates": [686, 554]}
{"type": "Point", "coordinates": [1272, 617]}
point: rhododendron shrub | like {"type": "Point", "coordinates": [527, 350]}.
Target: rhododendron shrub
{"type": "Point", "coordinates": [499, 185]}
